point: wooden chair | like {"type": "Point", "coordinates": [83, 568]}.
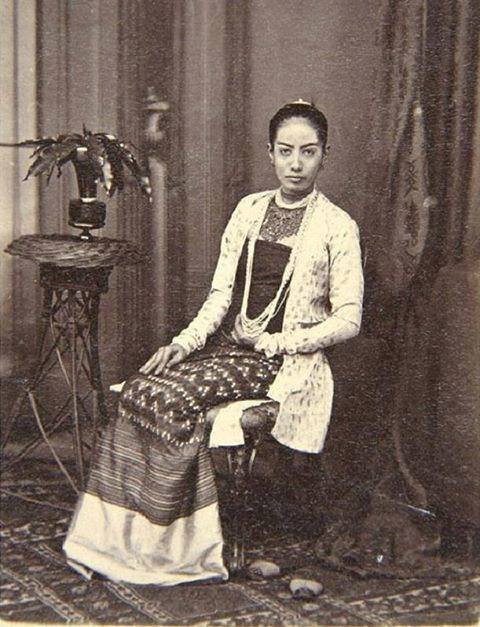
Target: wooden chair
{"type": "Point", "coordinates": [257, 423]}
{"type": "Point", "coordinates": [359, 371]}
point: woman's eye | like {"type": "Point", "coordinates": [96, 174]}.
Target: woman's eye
{"type": "Point", "coordinates": [285, 152]}
{"type": "Point", "coordinates": [308, 152]}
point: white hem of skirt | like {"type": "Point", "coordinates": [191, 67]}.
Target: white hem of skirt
{"type": "Point", "coordinates": [123, 545]}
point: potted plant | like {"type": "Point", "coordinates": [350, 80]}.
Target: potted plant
{"type": "Point", "coordinates": [97, 158]}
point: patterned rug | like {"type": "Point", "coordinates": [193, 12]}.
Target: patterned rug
{"type": "Point", "coordinates": [37, 585]}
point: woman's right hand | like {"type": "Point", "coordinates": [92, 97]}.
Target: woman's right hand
{"type": "Point", "coordinates": [165, 357]}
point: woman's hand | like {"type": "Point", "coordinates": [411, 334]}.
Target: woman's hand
{"type": "Point", "coordinates": [239, 335]}
{"type": "Point", "coordinates": [165, 357]}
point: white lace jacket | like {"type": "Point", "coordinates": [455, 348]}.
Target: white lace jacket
{"type": "Point", "coordinates": [324, 307]}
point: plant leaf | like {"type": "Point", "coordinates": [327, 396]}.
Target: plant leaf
{"type": "Point", "coordinates": [50, 172]}
{"type": "Point", "coordinates": [110, 159]}
{"type": "Point", "coordinates": [65, 159]}
{"type": "Point", "coordinates": [40, 165]}
{"type": "Point", "coordinates": [107, 175]}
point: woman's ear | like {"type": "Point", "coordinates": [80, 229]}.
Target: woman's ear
{"type": "Point", "coordinates": [270, 152]}
{"type": "Point", "coordinates": [326, 150]}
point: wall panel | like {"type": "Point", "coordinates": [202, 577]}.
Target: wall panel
{"type": "Point", "coordinates": [18, 199]}
{"type": "Point", "coordinates": [321, 50]}
{"type": "Point", "coordinates": [214, 105]}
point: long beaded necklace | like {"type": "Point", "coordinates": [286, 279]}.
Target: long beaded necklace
{"type": "Point", "coordinates": [253, 327]}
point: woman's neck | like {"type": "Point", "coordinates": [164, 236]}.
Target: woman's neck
{"type": "Point", "coordinates": [293, 196]}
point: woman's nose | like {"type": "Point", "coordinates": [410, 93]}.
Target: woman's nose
{"type": "Point", "coordinates": [296, 163]}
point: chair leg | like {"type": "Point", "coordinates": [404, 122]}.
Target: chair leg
{"type": "Point", "coordinates": [240, 464]}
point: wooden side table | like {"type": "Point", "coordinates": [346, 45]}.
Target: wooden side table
{"type": "Point", "coordinates": [73, 274]}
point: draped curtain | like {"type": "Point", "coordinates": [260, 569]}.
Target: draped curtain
{"type": "Point", "coordinates": [452, 88]}
{"type": "Point", "coordinates": [437, 409]}
{"type": "Point", "coordinates": [422, 294]}
{"type": "Point", "coordinates": [425, 162]}
{"type": "Point", "coordinates": [424, 232]}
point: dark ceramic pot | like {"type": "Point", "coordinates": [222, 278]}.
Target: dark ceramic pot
{"type": "Point", "coordinates": [86, 215]}
{"type": "Point", "coordinates": [86, 212]}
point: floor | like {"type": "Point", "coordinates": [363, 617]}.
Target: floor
{"type": "Point", "coordinates": [37, 585]}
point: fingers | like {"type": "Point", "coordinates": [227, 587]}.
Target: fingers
{"type": "Point", "coordinates": [163, 359]}
{"type": "Point", "coordinates": [148, 365]}
{"type": "Point", "coordinates": [165, 356]}
{"type": "Point", "coordinates": [239, 335]}
{"type": "Point", "coordinates": [238, 323]}
{"type": "Point", "coordinates": [154, 361]}
{"type": "Point", "coordinates": [237, 331]}
{"type": "Point", "coordinates": [174, 359]}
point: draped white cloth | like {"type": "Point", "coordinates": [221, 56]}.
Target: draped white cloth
{"type": "Point", "coordinates": [124, 545]}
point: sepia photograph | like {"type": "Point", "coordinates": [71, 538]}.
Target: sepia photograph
{"type": "Point", "coordinates": [240, 312]}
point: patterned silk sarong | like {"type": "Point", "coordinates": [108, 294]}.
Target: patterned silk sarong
{"type": "Point", "coordinates": [149, 513]}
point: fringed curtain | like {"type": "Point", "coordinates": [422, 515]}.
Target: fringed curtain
{"type": "Point", "coordinates": [437, 412]}
{"type": "Point", "coordinates": [451, 95]}
{"type": "Point", "coordinates": [398, 218]}
{"type": "Point", "coordinates": [423, 216]}
{"type": "Point", "coordinates": [423, 290]}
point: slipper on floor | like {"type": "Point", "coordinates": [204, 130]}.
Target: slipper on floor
{"type": "Point", "coordinates": [302, 588]}
{"type": "Point", "coordinates": [262, 569]}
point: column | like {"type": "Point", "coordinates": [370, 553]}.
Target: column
{"type": "Point", "coordinates": [18, 200]}
{"type": "Point", "coordinates": [213, 137]}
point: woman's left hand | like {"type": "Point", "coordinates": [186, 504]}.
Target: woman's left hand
{"type": "Point", "coordinates": [239, 335]}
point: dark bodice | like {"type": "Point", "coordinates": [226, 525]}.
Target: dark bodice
{"type": "Point", "coordinates": [269, 262]}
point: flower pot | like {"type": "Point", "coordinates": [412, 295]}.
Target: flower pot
{"type": "Point", "coordinates": [87, 176]}
{"type": "Point", "coordinates": [86, 214]}
{"type": "Point", "coordinates": [98, 158]}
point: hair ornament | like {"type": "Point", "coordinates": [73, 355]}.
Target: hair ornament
{"type": "Point", "coordinates": [300, 101]}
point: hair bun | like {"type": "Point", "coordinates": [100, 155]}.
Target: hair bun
{"type": "Point", "coordinates": [303, 109]}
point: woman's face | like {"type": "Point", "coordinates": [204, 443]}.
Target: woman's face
{"type": "Point", "coordinates": [297, 156]}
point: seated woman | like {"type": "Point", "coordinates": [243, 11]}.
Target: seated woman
{"type": "Point", "coordinates": [288, 284]}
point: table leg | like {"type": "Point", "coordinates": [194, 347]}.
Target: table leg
{"type": "Point", "coordinates": [19, 403]}
{"type": "Point", "coordinates": [70, 311]}
{"type": "Point", "coordinates": [99, 407]}
{"type": "Point", "coordinates": [77, 434]}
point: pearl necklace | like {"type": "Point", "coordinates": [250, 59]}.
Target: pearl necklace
{"type": "Point", "coordinates": [253, 327]}
{"type": "Point", "coordinates": [303, 202]}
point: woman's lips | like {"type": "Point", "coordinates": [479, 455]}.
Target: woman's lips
{"type": "Point", "coordinates": [295, 179]}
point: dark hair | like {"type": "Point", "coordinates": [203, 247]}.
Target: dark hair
{"type": "Point", "coordinates": [299, 110]}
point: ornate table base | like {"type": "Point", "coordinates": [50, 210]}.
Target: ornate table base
{"type": "Point", "coordinates": [68, 342]}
